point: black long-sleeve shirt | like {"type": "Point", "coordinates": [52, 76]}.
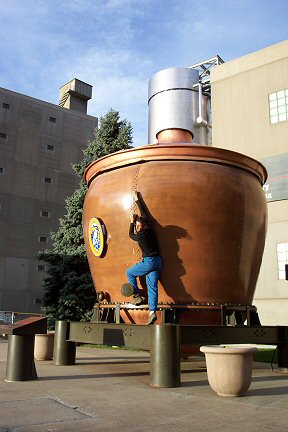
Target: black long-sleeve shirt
{"type": "Point", "coordinates": [146, 240]}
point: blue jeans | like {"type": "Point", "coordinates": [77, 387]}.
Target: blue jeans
{"type": "Point", "coordinates": [151, 268]}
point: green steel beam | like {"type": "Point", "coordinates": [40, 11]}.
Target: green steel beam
{"type": "Point", "coordinates": [138, 336]}
{"type": "Point", "coordinates": [213, 335]}
{"type": "Point", "coordinates": [132, 336]}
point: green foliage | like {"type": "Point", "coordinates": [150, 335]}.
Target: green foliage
{"type": "Point", "coordinates": [266, 355]}
{"type": "Point", "coordinates": [69, 238]}
{"type": "Point", "coordinates": [113, 135]}
{"type": "Point", "coordinates": [68, 288]}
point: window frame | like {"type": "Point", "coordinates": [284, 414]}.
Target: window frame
{"type": "Point", "coordinates": [282, 259]}
{"type": "Point", "coordinates": [45, 180]}
{"type": "Point", "coordinates": [50, 150]}
{"type": "Point", "coordinates": [278, 106]}
{"type": "Point", "coordinates": [40, 239]}
{"type": "Point", "coordinates": [45, 215]}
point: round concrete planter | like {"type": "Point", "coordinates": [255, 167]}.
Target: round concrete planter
{"type": "Point", "coordinates": [229, 368]}
{"type": "Point", "coordinates": [43, 348]}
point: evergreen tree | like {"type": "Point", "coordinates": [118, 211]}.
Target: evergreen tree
{"type": "Point", "coordinates": [68, 288]}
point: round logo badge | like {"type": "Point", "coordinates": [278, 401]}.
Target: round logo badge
{"type": "Point", "coordinates": [96, 237]}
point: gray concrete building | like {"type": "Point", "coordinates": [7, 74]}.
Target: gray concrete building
{"type": "Point", "coordinates": [38, 143]}
{"type": "Point", "coordinates": [250, 116]}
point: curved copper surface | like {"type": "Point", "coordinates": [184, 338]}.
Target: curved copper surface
{"type": "Point", "coordinates": [209, 213]}
{"type": "Point", "coordinates": [174, 136]}
{"type": "Point", "coordinates": [175, 152]}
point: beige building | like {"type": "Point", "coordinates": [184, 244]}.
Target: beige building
{"type": "Point", "coordinates": [38, 143]}
{"type": "Point", "coordinates": [250, 116]}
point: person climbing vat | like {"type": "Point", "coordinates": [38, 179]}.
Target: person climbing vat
{"type": "Point", "coordinates": [151, 264]}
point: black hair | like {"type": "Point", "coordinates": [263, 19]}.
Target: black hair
{"type": "Point", "coordinates": [142, 219]}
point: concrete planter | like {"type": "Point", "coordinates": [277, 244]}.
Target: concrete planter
{"type": "Point", "coordinates": [43, 349]}
{"type": "Point", "coordinates": [229, 368]}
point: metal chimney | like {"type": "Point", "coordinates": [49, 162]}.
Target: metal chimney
{"type": "Point", "coordinates": [180, 99]}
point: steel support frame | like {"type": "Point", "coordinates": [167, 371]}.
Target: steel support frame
{"type": "Point", "coordinates": [138, 336]}
{"type": "Point", "coordinates": [169, 312]}
{"type": "Point", "coordinates": [164, 341]}
{"type": "Point", "coordinates": [204, 69]}
{"type": "Point", "coordinates": [99, 333]}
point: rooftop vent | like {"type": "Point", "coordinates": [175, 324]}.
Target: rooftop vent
{"type": "Point", "coordinates": [74, 95]}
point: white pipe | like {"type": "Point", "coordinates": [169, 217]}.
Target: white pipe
{"type": "Point", "coordinates": [200, 100]}
{"type": "Point", "coordinates": [200, 119]}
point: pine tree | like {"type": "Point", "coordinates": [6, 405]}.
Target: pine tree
{"type": "Point", "coordinates": [68, 288]}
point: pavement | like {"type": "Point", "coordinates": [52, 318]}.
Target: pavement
{"type": "Point", "coordinates": [108, 390]}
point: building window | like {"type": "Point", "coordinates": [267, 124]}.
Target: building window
{"type": "Point", "coordinates": [278, 106]}
{"type": "Point", "coordinates": [282, 259]}
{"type": "Point", "coordinates": [41, 267]}
{"type": "Point", "coordinates": [2, 170]}
{"type": "Point", "coordinates": [50, 147]}
{"type": "Point", "coordinates": [3, 135]}
{"type": "Point", "coordinates": [44, 213]}
{"type": "Point", "coordinates": [52, 119]}
{"type": "Point", "coordinates": [47, 179]}
{"type": "Point", "coordinates": [37, 300]}
{"type": "Point", "coordinates": [43, 239]}
{"type": "Point", "coordinates": [6, 105]}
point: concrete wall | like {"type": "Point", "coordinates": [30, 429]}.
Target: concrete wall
{"type": "Point", "coordinates": [241, 122]}
{"type": "Point", "coordinates": [240, 104]}
{"type": "Point", "coordinates": [42, 141]}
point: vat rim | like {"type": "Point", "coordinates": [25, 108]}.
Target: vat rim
{"type": "Point", "coordinates": [175, 152]}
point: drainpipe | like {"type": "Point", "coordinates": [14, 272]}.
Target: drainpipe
{"type": "Point", "coordinates": [200, 119]}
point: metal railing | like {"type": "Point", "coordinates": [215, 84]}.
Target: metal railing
{"type": "Point", "coordinates": [10, 317]}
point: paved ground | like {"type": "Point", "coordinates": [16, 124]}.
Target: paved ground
{"type": "Point", "coordinates": [108, 390]}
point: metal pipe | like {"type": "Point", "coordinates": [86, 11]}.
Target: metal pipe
{"type": "Point", "coordinates": [165, 355]}
{"type": "Point", "coordinates": [283, 350]}
{"type": "Point", "coordinates": [20, 358]}
{"type": "Point", "coordinates": [64, 350]}
{"type": "Point", "coordinates": [200, 119]}
{"type": "Point", "coordinates": [199, 103]}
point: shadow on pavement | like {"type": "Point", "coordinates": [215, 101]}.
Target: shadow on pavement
{"type": "Point", "coordinates": [107, 375]}
{"type": "Point", "coordinates": [275, 377]}
{"type": "Point", "coordinates": [274, 391]}
{"type": "Point", "coordinates": [195, 383]}
{"type": "Point", "coordinates": [108, 362]}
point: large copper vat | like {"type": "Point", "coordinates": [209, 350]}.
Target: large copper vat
{"type": "Point", "coordinates": [209, 214]}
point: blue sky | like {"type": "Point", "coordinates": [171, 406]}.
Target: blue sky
{"type": "Point", "coordinates": [117, 45]}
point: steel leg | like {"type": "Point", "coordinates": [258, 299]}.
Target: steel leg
{"type": "Point", "coordinates": [165, 355]}
{"type": "Point", "coordinates": [64, 351]}
{"type": "Point", "coordinates": [20, 359]}
{"type": "Point", "coordinates": [283, 350]}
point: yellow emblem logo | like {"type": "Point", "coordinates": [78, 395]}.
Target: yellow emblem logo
{"type": "Point", "coordinates": [96, 236]}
